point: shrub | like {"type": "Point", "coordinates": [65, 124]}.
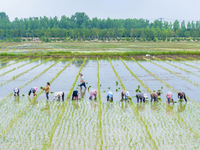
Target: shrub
{"type": "Point", "coordinates": [154, 39]}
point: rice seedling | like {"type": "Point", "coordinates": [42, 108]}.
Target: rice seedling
{"type": "Point", "coordinates": [19, 66]}
{"type": "Point", "coordinates": [28, 48]}
{"type": "Point", "coordinates": [14, 48]}
{"type": "Point", "coordinates": [183, 62]}
{"type": "Point", "coordinates": [108, 87]}
{"type": "Point", "coordinates": [9, 46]}
{"type": "Point", "coordinates": [178, 67]}
{"type": "Point", "coordinates": [172, 72]}
{"type": "Point", "coordinates": [35, 48]}
{"type": "Point", "coordinates": [19, 115]}
{"type": "Point", "coordinates": [20, 74]}
{"type": "Point", "coordinates": [14, 63]}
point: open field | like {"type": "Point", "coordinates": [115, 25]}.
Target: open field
{"type": "Point", "coordinates": [100, 49]}
{"type": "Point", "coordinates": [34, 123]}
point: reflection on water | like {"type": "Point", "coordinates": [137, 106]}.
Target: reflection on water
{"type": "Point", "coordinates": [169, 109]}
{"type": "Point", "coordinates": [181, 107]}
{"type": "Point", "coordinates": [155, 106]}
{"type": "Point", "coordinates": [93, 104]}
{"type": "Point", "coordinates": [75, 104]}
{"type": "Point", "coordinates": [140, 106]}
{"type": "Point", "coordinates": [17, 99]}
{"type": "Point", "coordinates": [124, 106]}
{"type": "Point", "coordinates": [78, 63]}
{"type": "Point", "coordinates": [109, 105]}
{"type": "Point", "coordinates": [46, 108]}
{"type": "Point", "coordinates": [82, 92]}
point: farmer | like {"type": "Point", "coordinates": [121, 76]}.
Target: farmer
{"type": "Point", "coordinates": [141, 97]}
{"type": "Point", "coordinates": [47, 89]}
{"type": "Point", "coordinates": [59, 94]}
{"type": "Point", "coordinates": [16, 91]}
{"type": "Point", "coordinates": [75, 95]}
{"type": "Point", "coordinates": [93, 93]}
{"type": "Point", "coordinates": [169, 97]}
{"type": "Point", "coordinates": [82, 81]}
{"type": "Point", "coordinates": [181, 95]}
{"type": "Point", "coordinates": [110, 96]}
{"type": "Point", "coordinates": [32, 90]}
{"type": "Point", "coordinates": [154, 96]}
{"type": "Point", "coordinates": [125, 94]}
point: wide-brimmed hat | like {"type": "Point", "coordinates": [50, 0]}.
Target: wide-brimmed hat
{"type": "Point", "coordinates": [127, 93]}
{"type": "Point", "coordinates": [145, 95]}
{"type": "Point", "coordinates": [16, 89]}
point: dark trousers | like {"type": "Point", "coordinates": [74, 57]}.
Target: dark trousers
{"type": "Point", "coordinates": [140, 99]}
{"type": "Point", "coordinates": [181, 97]}
{"type": "Point", "coordinates": [75, 94]}
{"type": "Point", "coordinates": [83, 84]}
{"type": "Point", "coordinates": [47, 95]}
{"type": "Point", "coordinates": [155, 99]}
{"type": "Point", "coordinates": [16, 94]}
{"type": "Point", "coordinates": [29, 93]}
{"type": "Point", "coordinates": [63, 96]}
{"type": "Point", "coordinates": [108, 98]}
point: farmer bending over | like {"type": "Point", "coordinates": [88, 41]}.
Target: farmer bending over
{"type": "Point", "coordinates": [141, 97]}
{"type": "Point", "coordinates": [181, 95]}
{"type": "Point", "coordinates": [16, 91]}
{"type": "Point", "coordinates": [82, 81]}
{"type": "Point", "coordinates": [59, 95]}
{"type": "Point", "coordinates": [154, 96]}
{"type": "Point", "coordinates": [110, 96]}
{"type": "Point", "coordinates": [125, 94]}
{"type": "Point", "coordinates": [32, 90]}
{"type": "Point", "coordinates": [93, 93]}
{"type": "Point", "coordinates": [75, 95]}
{"type": "Point", "coordinates": [169, 97]}
{"type": "Point", "coordinates": [47, 89]}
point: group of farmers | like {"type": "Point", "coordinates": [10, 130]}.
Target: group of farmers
{"type": "Point", "coordinates": [124, 95]}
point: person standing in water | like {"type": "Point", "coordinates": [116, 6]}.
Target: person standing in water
{"type": "Point", "coordinates": [59, 95]}
{"type": "Point", "coordinates": [47, 89]}
{"type": "Point", "coordinates": [82, 81]}
{"type": "Point", "coordinates": [32, 90]}
{"type": "Point", "coordinates": [125, 94]}
{"type": "Point", "coordinates": [93, 93]}
{"type": "Point", "coordinates": [181, 95]}
{"type": "Point", "coordinates": [75, 95]}
{"type": "Point", "coordinates": [141, 97]}
{"type": "Point", "coordinates": [169, 98]}
{"type": "Point", "coordinates": [16, 91]}
{"type": "Point", "coordinates": [110, 96]}
{"type": "Point", "coordinates": [154, 96]}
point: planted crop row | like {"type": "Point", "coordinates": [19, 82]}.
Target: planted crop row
{"type": "Point", "coordinates": [21, 48]}
{"type": "Point", "coordinates": [56, 123]}
{"type": "Point", "coordinates": [99, 108]}
{"type": "Point", "coordinates": [178, 67]}
{"type": "Point", "coordinates": [183, 62]}
{"type": "Point", "coordinates": [13, 63]}
{"type": "Point", "coordinates": [3, 59]}
{"type": "Point", "coordinates": [172, 72]}
{"type": "Point", "coordinates": [9, 47]}
{"type": "Point", "coordinates": [42, 47]}
{"type": "Point", "coordinates": [193, 61]}
{"type": "Point", "coordinates": [19, 66]}
{"type": "Point", "coordinates": [18, 75]}
{"type": "Point", "coordinates": [187, 61]}
{"type": "Point", "coordinates": [28, 48]}
{"type": "Point", "coordinates": [136, 110]}
{"type": "Point", "coordinates": [7, 44]}
{"type": "Point", "coordinates": [10, 125]}
{"type": "Point", "coordinates": [35, 48]}
{"type": "Point", "coordinates": [166, 84]}
{"type": "Point", "coordinates": [31, 80]}
{"type": "Point", "coordinates": [179, 118]}
{"type": "Point", "coordinates": [15, 48]}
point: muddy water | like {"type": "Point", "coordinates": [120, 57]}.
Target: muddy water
{"type": "Point", "coordinates": [86, 125]}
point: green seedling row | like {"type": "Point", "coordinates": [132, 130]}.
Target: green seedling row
{"type": "Point", "coordinates": [136, 110]}
{"type": "Point", "coordinates": [19, 66]}
{"type": "Point", "coordinates": [99, 108]}
{"type": "Point", "coordinates": [18, 75]}
{"type": "Point", "coordinates": [177, 115]}
{"type": "Point", "coordinates": [182, 62]}
{"type": "Point", "coordinates": [35, 48]}
{"type": "Point", "coordinates": [7, 44]}
{"type": "Point", "coordinates": [14, 63]}
{"type": "Point", "coordinates": [2, 100]}
{"type": "Point", "coordinates": [178, 67]}
{"type": "Point", "coordinates": [42, 47]}
{"type": "Point", "coordinates": [28, 49]}
{"type": "Point", "coordinates": [9, 47]}
{"type": "Point", "coordinates": [21, 48]}
{"type": "Point", "coordinates": [56, 123]}
{"type": "Point", "coordinates": [15, 48]}
{"type": "Point", "coordinates": [172, 72]}
{"type": "Point", "coordinates": [3, 59]}
{"type": "Point", "coordinates": [193, 61]}
{"type": "Point", "coordinates": [187, 64]}
{"type": "Point", "coordinates": [10, 125]}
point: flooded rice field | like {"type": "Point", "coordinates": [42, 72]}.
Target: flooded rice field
{"type": "Point", "coordinates": [35, 123]}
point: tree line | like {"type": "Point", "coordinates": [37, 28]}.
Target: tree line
{"type": "Point", "coordinates": [81, 26]}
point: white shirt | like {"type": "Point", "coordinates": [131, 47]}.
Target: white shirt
{"type": "Point", "coordinates": [82, 79]}
{"type": "Point", "coordinates": [58, 94]}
